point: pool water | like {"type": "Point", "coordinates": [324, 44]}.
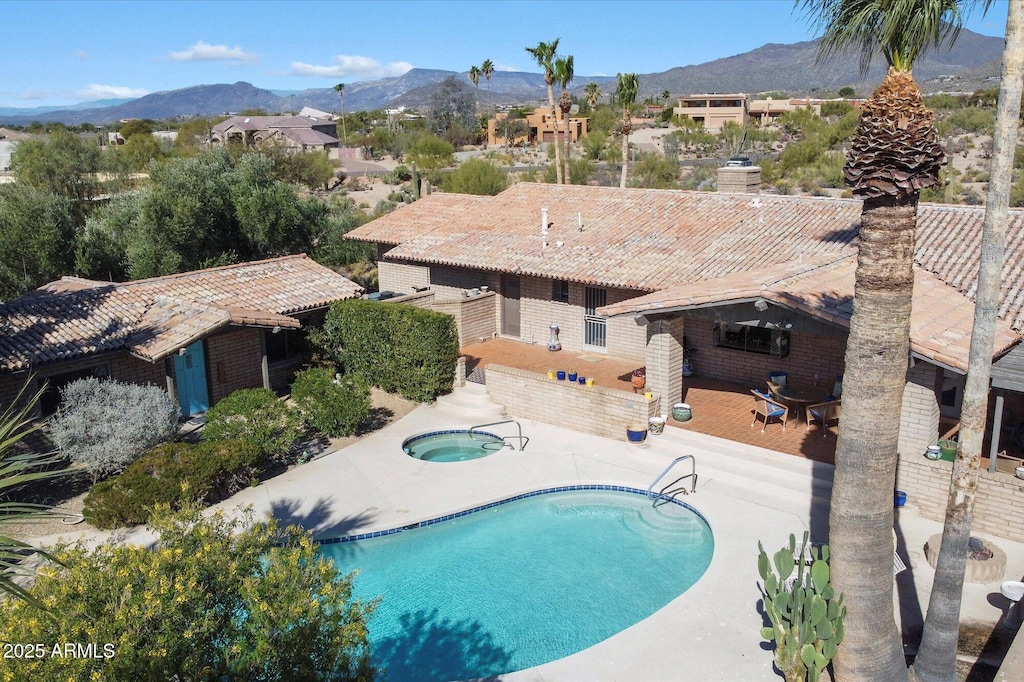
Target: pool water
{"type": "Point", "coordinates": [452, 446]}
{"type": "Point", "coordinates": [522, 583]}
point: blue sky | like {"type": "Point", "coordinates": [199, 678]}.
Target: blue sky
{"type": "Point", "coordinates": [57, 53]}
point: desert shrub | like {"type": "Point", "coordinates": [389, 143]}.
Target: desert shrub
{"type": "Point", "coordinates": [255, 415]}
{"type": "Point", "coordinates": [333, 406]}
{"type": "Point", "coordinates": [476, 176]}
{"type": "Point", "coordinates": [398, 348]}
{"type": "Point", "coordinates": [105, 425]}
{"type": "Point", "coordinates": [211, 599]}
{"type": "Point", "coordinates": [172, 474]}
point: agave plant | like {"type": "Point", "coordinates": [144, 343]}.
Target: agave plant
{"type": "Point", "coordinates": [17, 469]}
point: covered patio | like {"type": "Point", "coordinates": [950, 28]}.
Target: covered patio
{"type": "Point", "coordinates": [720, 408]}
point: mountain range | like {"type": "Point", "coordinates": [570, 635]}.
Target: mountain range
{"type": "Point", "coordinates": [973, 62]}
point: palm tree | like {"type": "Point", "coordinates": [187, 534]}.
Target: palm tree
{"type": "Point", "coordinates": [17, 469]}
{"type": "Point", "coordinates": [487, 68]}
{"type": "Point", "coordinates": [936, 659]}
{"type": "Point", "coordinates": [893, 155]}
{"type": "Point", "coordinates": [340, 89]}
{"type": "Point", "coordinates": [625, 95]}
{"type": "Point", "coordinates": [665, 95]}
{"type": "Point", "coordinates": [563, 76]}
{"type": "Point", "coordinates": [545, 55]}
{"type": "Point", "coordinates": [591, 93]}
{"type": "Point", "coordinates": [474, 77]}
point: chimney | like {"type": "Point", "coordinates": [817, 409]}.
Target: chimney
{"type": "Point", "coordinates": [745, 179]}
{"type": "Point", "coordinates": [544, 227]}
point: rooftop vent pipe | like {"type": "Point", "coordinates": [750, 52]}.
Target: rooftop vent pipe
{"type": "Point", "coordinates": [544, 227]}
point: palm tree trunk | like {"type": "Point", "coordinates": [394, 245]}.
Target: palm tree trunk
{"type": "Point", "coordinates": [558, 154]}
{"type": "Point", "coordinates": [936, 659]}
{"type": "Point", "coordinates": [625, 160]}
{"type": "Point", "coordinates": [568, 154]}
{"type": "Point", "coordinates": [865, 475]}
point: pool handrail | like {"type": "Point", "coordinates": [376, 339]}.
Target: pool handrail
{"type": "Point", "coordinates": [693, 474]}
{"type": "Point", "coordinates": [523, 440]}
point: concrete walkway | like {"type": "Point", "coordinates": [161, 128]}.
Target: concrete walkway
{"type": "Point", "coordinates": [712, 632]}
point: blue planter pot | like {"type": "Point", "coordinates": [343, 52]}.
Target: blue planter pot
{"type": "Point", "coordinates": [572, 376]}
{"type": "Point", "coordinates": [561, 375]}
{"type": "Point", "coordinates": [636, 434]}
{"type": "Point", "coordinates": [900, 498]}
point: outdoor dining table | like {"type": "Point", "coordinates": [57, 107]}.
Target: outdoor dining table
{"type": "Point", "coordinates": [801, 396]}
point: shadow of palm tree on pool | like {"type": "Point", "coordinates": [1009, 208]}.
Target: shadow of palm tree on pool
{"type": "Point", "coordinates": [433, 648]}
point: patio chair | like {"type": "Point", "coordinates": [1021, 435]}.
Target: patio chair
{"type": "Point", "coordinates": [824, 413]}
{"type": "Point", "coordinates": [773, 389]}
{"type": "Point", "coordinates": [769, 409]}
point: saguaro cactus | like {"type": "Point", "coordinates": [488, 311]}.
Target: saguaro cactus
{"type": "Point", "coordinates": [806, 614]}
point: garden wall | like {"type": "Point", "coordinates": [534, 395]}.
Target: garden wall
{"type": "Point", "coordinates": [474, 316]}
{"type": "Point", "coordinates": [591, 409]}
{"type": "Point", "coordinates": [999, 505]}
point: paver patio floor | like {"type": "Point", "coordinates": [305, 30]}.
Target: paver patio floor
{"type": "Point", "coordinates": [720, 408]}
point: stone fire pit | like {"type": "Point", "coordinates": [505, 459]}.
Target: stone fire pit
{"type": "Point", "coordinates": [980, 569]}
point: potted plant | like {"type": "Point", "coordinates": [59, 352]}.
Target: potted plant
{"type": "Point", "coordinates": [639, 378]}
{"type": "Point", "coordinates": [572, 375]}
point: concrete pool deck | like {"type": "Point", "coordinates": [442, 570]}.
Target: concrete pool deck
{"type": "Point", "coordinates": [712, 632]}
{"type": "Point", "coordinates": [747, 494]}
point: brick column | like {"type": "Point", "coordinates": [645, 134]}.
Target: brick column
{"type": "Point", "coordinates": [664, 358]}
{"type": "Point", "coordinates": [919, 418]}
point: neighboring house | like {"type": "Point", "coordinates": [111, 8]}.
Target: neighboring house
{"type": "Point", "coordinates": [714, 111]}
{"type": "Point", "coordinates": [202, 334]}
{"type": "Point", "coordinates": [302, 133]}
{"type": "Point", "coordinates": [541, 127]}
{"type": "Point", "coordinates": [310, 112]}
{"type": "Point", "coordinates": [755, 283]}
{"type": "Point", "coordinates": [9, 140]}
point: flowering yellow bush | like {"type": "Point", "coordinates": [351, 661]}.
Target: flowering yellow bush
{"type": "Point", "coordinates": [214, 599]}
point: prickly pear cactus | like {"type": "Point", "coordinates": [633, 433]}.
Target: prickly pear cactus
{"type": "Point", "coordinates": [806, 614]}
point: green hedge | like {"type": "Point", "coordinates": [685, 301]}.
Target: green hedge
{"type": "Point", "coordinates": [170, 474]}
{"type": "Point", "coordinates": [397, 348]}
{"type": "Point", "coordinates": [332, 407]}
{"type": "Point", "coordinates": [256, 415]}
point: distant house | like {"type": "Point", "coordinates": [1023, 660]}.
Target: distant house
{"type": "Point", "coordinates": [202, 334]}
{"type": "Point", "coordinates": [9, 140]}
{"type": "Point", "coordinates": [301, 133]}
{"type": "Point", "coordinates": [713, 110]}
{"type": "Point", "coordinates": [540, 127]}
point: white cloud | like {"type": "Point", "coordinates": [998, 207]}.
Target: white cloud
{"type": "Point", "coordinates": [506, 67]}
{"type": "Point", "coordinates": [344, 65]}
{"type": "Point", "coordinates": [34, 94]}
{"type": "Point", "coordinates": [82, 54]}
{"type": "Point", "coordinates": [202, 52]}
{"type": "Point", "coordinates": [95, 91]}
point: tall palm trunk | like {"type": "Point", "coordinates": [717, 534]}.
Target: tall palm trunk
{"type": "Point", "coordinates": [626, 127]}
{"type": "Point", "coordinates": [557, 142]}
{"type": "Point", "coordinates": [893, 155]}
{"type": "Point", "coordinates": [936, 660]}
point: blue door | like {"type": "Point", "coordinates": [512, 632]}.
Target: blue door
{"type": "Point", "coordinates": [190, 376]}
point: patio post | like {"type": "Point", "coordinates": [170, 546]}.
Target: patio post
{"type": "Point", "coordinates": [664, 358]}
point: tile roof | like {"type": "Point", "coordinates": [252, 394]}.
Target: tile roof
{"type": "Point", "coordinates": [668, 240]}
{"type": "Point", "coordinates": [940, 319]}
{"type": "Point", "coordinates": [631, 239]}
{"type": "Point", "coordinates": [152, 318]}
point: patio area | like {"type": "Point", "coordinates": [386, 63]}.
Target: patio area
{"type": "Point", "coordinates": [720, 408]}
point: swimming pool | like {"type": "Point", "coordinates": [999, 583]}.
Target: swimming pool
{"type": "Point", "coordinates": [523, 582]}
{"type": "Point", "coordinates": [454, 445]}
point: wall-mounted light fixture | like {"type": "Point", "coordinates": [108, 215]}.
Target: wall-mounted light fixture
{"type": "Point", "coordinates": [183, 351]}
{"type": "Point", "coordinates": [761, 305]}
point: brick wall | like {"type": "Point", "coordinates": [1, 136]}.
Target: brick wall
{"type": "Point", "coordinates": [474, 316]}
{"type": "Point", "coordinates": [591, 409]}
{"type": "Point", "coordinates": [422, 299]}
{"type": "Point", "coordinates": [401, 277]}
{"type": "Point", "coordinates": [118, 366]}
{"type": "Point", "coordinates": [919, 419]}
{"type": "Point", "coordinates": [665, 358]}
{"type": "Point", "coordinates": [812, 359]}
{"type": "Point", "coordinates": [999, 505]}
{"type": "Point", "coordinates": [233, 362]}
{"type": "Point", "coordinates": [449, 282]}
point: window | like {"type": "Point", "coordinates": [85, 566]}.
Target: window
{"type": "Point", "coordinates": [283, 345]}
{"type": "Point", "coordinates": [763, 340]}
{"type": "Point", "coordinates": [560, 291]}
{"type": "Point", "coordinates": [49, 401]}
